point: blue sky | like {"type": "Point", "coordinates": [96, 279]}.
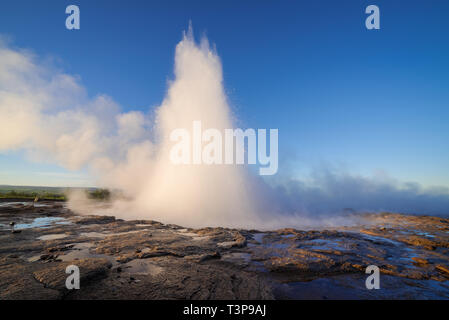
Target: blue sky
{"type": "Point", "coordinates": [367, 100]}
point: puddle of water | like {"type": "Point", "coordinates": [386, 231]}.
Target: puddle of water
{"type": "Point", "coordinates": [79, 251]}
{"type": "Point", "coordinates": [52, 237]}
{"type": "Point", "coordinates": [425, 234]}
{"type": "Point", "coordinates": [91, 226]}
{"type": "Point", "coordinates": [343, 287]}
{"type": "Point", "coordinates": [14, 204]}
{"type": "Point", "coordinates": [127, 232]}
{"type": "Point", "coordinates": [380, 239]}
{"type": "Point", "coordinates": [259, 237]}
{"type": "Point", "coordinates": [82, 251]}
{"type": "Point", "coordinates": [43, 223]}
{"type": "Point", "coordinates": [188, 234]}
{"type": "Point", "coordinates": [107, 234]}
{"type": "Point", "coordinates": [236, 256]}
{"type": "Point", "coordinates": [144, 267]}
{"type": "Point", "coordinates": [239, 257]}
{"type": "Point", "coordinates": [226, 243]}
{"type": "Point", "coordinates": [194, 236]}
{"type": "Point", "coordinates": [258, 266]}
{"type": "Point", "coordinates": [353, 287]}
{"type": "Point", "coordinates": [277, 245]}
{"type": "Point", "coordinates": [324, 244]}
{"type": "Point", "coordinates": [93, 234]}
{"type": "Point", "coordinates": [42, 205]}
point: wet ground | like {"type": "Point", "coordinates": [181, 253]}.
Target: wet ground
{"type": "Point", "coordinates": [150, 260]}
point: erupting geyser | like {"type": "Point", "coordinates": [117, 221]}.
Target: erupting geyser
{"type": "Point", "coordinates": [50, 115]}
{"type": "Point", "coordinates": [191, 195]}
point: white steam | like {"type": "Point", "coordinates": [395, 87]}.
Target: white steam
{"type": "Point", "coordinates": [50, 115]}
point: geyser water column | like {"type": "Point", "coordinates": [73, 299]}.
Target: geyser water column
{"type": "Point", "coordinates": [195, 195]}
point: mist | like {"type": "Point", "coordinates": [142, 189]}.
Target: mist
{"type": "Point", "coordinates": [50, 115]}
{"type": "Point", "coordinates": [331, 191]}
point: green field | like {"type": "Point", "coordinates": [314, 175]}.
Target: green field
{"type": "Point", "coordinates": [47, 193]}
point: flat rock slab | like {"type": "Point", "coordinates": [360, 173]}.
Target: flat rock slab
{"type": "Point", "coordinates": [54, 276]}
{"type": "Point", "coordinates": [17, 282]}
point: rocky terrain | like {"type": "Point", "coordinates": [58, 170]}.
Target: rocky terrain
{"type": "Point", "coordinates": [150, 260]}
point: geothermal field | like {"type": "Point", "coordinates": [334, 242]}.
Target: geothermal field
{"type": "Point", "coordinates": [146, 259]}
{"type": "Point", "coordinates": [281, 150]}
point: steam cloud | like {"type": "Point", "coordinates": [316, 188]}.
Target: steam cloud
{"type": "Point", "coordinates": [49, 114]}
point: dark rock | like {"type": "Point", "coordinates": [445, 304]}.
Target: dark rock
{"type": "Point", "coordinates": [160, 261]}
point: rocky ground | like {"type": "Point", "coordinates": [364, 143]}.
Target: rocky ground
{"type": "Point", "coordinates": [150, 260]}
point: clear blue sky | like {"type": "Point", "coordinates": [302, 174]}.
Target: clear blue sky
{"type": "Point", "coordinates": [340, 94]}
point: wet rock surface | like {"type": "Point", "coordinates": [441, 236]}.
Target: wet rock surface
{"type": "Point", "coordinates": [150, 260]}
